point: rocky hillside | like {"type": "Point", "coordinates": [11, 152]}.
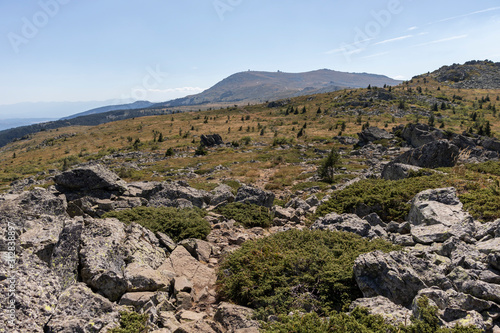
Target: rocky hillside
{"type": "Point", "coordinates": [471, 75]}
{"type": "Point", "coordinates": [364, 210]}
{"type": "Point", "coordinates": [70, 266]}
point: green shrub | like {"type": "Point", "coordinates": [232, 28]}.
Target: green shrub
{"type": "Point", "coordinates": [359, 321]}
{"type": "Point", "coordinates": [282, 141]}
{"type": "Point", "coordinates": [249, 215]}
{"type": "Point", "coordinates": [388, 198]}
{"type": "Point", "coordinates": [490, 167]}
{"type": "Point", "coordinates": [295, 270]}
{"type": "Point", "coordinates": [483, 203]}
{"type": "Point", "coordinates": [131, 322]}
{"type": "Point", "coordinates": [178, 223]}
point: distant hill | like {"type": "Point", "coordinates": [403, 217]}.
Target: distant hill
{"type": "Point", "coordinates": [130, 106]}
{"type": "Point", "coordinates": [471, 75]}
{"type": "Point", "coordinates": [12, 134]}
{"type": "Point", "coordinates": [255, 86]}
{"type": "Point", "coordinates": [16, 122]}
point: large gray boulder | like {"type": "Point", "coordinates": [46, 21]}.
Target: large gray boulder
{"type": "Point", "coordinates": [254, 195]}
{"type": "Point", "coordinates": [397, 275]}
{"type": "Point", "coordinates": [371, 134]}
{"type": "Point", "coordinates": [88, 178]}
{"type": "Point", "coordinates": [420, 134]}
{"type": "Point", "coordinates": [345, 222]}
{"type": "Point", "coordinates": [80, 310]}
{"type": "Point", "coordinates": [396, 171]}
{"type": "Point", "coordinates": [235, 317]}
{"type": "Point", "coordinates": [115, 258]}
{"type": "Point", "coordinates": [177, 195]}
{"type": "Point", "coordinates": [437, 214]}
{"type": "Point", "coordinates": [434, 154]}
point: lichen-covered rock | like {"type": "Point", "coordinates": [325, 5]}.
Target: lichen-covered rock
{"type": "Point", "coordinates": [234, 317]}
{"type": "Point", "coordinates": [109, 248]}
{"type": "Point", "coordinates": [174, 195]}
{"type": "Point", "coordinates": [397, 275]}
{"type": "Point", "coordinates": [396, 171]}
{"type": "Point", "coordinates": [393, 314]}
{"type": "Point", "coordinates": [80, 310]}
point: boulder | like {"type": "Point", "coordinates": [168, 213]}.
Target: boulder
{"type": "Point", "coordinates": [345, 222]}
{"type": "Point", "coordinates": [199, 249]}
{"type": "Point", "coordinates": [65, 256]}
{"type": "Point", "coordinates": [173, 195]}
{"type": "Point", "coordinates": [235, 317]}
{"type": "Point", "coordinates": [393, 314]}
{"type": "Point", "coordinates": [491, 144]}
{"type": "Point", "coordinates": [434, 154]}
{"type": "Point", "coordinates": [112, 254]}
{"type": "Point", "coordinates": [88, 178]}
{"type": "Point", "coordinates": [36, 296]}
{"type": "Point", "coordinates": [396, 171]}
{"type": "Point", "coordinates": [437, 214]}
{"type": "Point", "coordinates": [40, 235]}
{"type": "Point", "coordinates": [397, 275]}
{"type": "Point", "coordinates": [371, 134]}
{"type": "Point", "coordinates": [420, 134]}
{"type": "Point", "coordinates": [211, 140]}
{"type": "Point", "coordinates": [222, 193]}
{"type": "Point", "coordinates": [80, 310]}
{"type": "Point", "coordinates": [254, 195]}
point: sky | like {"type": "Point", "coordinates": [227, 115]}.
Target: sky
{"type": "Point", "coordinates": [157, 50]}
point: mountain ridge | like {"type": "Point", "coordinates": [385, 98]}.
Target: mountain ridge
{"type": "Point", "coordinates": [260, 86]}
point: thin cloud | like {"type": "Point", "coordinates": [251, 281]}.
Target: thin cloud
{"type": "Point", "coordinates": [469, 14]}
{"type": "Point", "coordinates": [443, 40]}
{"type": "Point", "coordinates": [412, 28]}
{"type": "Point", "coordinates": [393, 39]}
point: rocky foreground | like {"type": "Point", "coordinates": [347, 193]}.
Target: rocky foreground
{"type": "Point", "coordinates": [76, 272]}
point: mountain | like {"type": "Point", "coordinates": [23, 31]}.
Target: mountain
{"type": "Point", "coordinates": [130, 106]}
{"type": "Point", "coordinates": [253, 86]}
{"type": "Point", "coordinates": [471, 75]}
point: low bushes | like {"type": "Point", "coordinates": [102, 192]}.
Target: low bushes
{"type": "Point", "coordinates": [295, 270]}
{"type": "Point", "coordinates": [179, 224]}
{"type": "Point", "coordinates": [248, 215]}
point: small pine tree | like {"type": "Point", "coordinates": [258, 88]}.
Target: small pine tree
{"type": "Point", "coordinates": [160, 137]}
{"type": "Point", "coordinates": [169, 152]}
{"type": "Point", "coordinates": [329, 165]}
{"type": "Point", "coordinates": [301, 133]}
{"type": "Point", "coordinates": [200, 151]}
{"type": "Point", "coordinates": [304, 110]}
{"type": "Point", "coordinates": [432, 120]}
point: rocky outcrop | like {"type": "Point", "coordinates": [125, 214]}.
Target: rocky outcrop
{"type": "Point", "coordinates": [371, 134]}
{"type": "Point", "coordinates": [88, 178]}
{"type": "Point", "coordinates": [178, 194]}
{"type": "Point", "coordinates": [396, 171]}
{"type": "Point", "coordinates": [434, 154]}
{"type": "Point", "coordinates": [254, 195]}
{"type": "Point", "coordinates": [211, 140]}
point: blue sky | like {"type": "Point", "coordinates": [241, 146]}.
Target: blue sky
{"type": "Point", "coordinates": [69, 50]}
